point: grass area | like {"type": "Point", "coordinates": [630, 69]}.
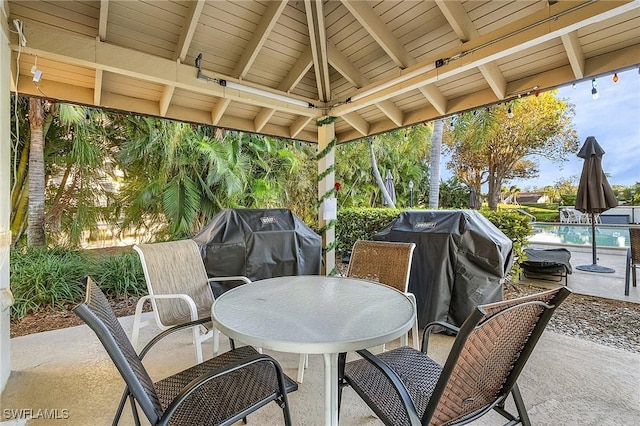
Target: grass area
{"type": "Point", "coordinates": [541, 214]}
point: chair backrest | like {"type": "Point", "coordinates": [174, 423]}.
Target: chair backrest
{"type": "Point", "coordinates": [96, 312]}
{"type": "Point", "coordinates": [634, 234]}
{"type": "Point", "coordinates": [489, 353]}
{"type": "Point", "coordinates": [382, 261]}
{"type": "Point", "coordinates": [175, 267]}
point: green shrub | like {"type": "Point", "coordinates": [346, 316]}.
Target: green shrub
{"type": "Point", "coordinates": [547, 216]}
{"type": "Point", "coordinates": [46, 277]}
{"type": "Point", "coordinates": [360, 224]}
{"type": "Point", "coordinates": [544, 206]}
{"type": "Point", "coordinates": [568, 200]}
{"type": "Point", "coordinates": [119, 274]}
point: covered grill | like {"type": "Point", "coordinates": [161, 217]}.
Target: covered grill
{"type": "Point", "coordinates": [459, 261]}
{"type": "Point", "coordinates": [258, 244]}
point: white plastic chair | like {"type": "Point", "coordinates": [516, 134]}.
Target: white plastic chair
{"type": "Point", "coordinates": [179, 290]}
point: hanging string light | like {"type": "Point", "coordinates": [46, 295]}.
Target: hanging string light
{"type": "Point", "coordinates": [509, 112]}
{"type": "Point", "coordinates": [615, 77]}
{"type": "Point", "coordinates": [594, 91]}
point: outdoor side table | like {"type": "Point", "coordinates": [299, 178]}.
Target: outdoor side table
{"type": "Point", "coordinates": [314, 315]}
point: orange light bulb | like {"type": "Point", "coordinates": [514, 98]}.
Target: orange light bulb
{"type": "Point", "coordinates": [615, 78]}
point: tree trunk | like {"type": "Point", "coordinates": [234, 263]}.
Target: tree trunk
{"type": "Point", "coordinates": [35, 227]}
{"type": "Point", "coordinates": [494, 192]}
{"type": "Point", "coordinates": [434, 167]}
{"type": "Point", "coordinates": [376, 174]}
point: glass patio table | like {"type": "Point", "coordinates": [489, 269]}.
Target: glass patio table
{"type": "Point", "coordinates": [314, 315]}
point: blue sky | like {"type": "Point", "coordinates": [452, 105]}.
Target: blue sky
{"type": "Point", "coordinates": [613, 119]}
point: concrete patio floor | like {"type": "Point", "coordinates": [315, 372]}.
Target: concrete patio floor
{"type": "Point", "coordinates": [567, 380]}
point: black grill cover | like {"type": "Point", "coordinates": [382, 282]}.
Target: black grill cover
{"type": "Point", "coordinates": [258, 244]}
{"type": "Point", "coordinates": [458, 262]}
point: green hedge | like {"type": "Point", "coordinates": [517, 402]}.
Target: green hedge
{"type": "Point", "coordinates": [43, 278]}
{"type": "Point", "coordinates": [360, 224]}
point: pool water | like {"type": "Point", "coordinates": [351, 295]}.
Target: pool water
{"type": "Point", "coordinates": [579, 235]}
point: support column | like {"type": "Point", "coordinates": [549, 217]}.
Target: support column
{"type": "Point", "coordinates": [5, 198]}
{"type": "Point", "coordinates": [327, 205]}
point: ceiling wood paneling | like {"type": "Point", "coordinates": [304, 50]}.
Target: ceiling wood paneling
{"type": "Point", "coordinates": [375, 59]}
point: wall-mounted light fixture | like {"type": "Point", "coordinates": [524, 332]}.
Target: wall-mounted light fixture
{"type": "Point", "coordinates": [250, 89]}
{"type": "Point", "coordinates": [594, 91]}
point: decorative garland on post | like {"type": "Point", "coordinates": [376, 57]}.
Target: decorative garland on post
{"type": "Point", "coordinates": [331, 192]}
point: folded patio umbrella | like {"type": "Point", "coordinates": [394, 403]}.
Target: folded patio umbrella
{"type": "Point", "coordinates": [594, 193]}
{"type": "Point", "coordinates": [391, 189]}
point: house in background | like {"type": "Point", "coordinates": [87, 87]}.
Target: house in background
{"type": "Point", "coordinates": [527, 198]}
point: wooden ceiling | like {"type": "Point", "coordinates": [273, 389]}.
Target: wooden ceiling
{"type": "Point", "coordinates": [376, 65]}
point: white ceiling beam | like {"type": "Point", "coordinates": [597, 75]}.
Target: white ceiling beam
{"type": "Point", "coordinates": [503, 42]}
{"type": "Point", "coordinates": [435, 98]}
{"type": "Point", "coordinates": [494, 77]}
{"type": "Point", "coordinates": [458, 19]}
{"type": "Point", "coordinates": [390, 109]}
{"type": "Point", "coordinates": [352, 74]}
{"type": "Point", "coordinates": [574, 53]}
{"type": "Point", "coordinates": [188, 30]}
{"type": "Point", "coordinates": [165, 99]}
{"type": "Point", "coordinates": [345, 67]}
{"type": "Point", "coordinates": [296, 127]}
{"type": "Point", "coordinates": [260, 35]}
{"type": "Point", "coordinates": [97, 88]}
{"type": "Point", "coordinates": [218, 110]}
{"type": "Point", "coordinates": [462, 25]}
{"type": "Point", "coordinates": [357, 122]}
{"type": "Point", "coordinates": [394, 48]}
{"type": "Point", "coordinates": [76, 49]}
{"type": "Point", "coordinates": [102, 23]}
{"type": "Point", "coordinates": [371, 22]}
{"type": "Point", "coordinates": [263, 118]}
{"type": "Point", "coordinates": [297, 71]}
{"type": "Point", "coordinates": [317, 40]}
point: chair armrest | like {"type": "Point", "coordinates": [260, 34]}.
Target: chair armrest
{"type": "Point", "coordinates": [236, 278]}
{"type": "Point", "coordinates": [158, 337]}
{"type": "Point", "coordinates": [400, 388]}
{"type": "Point", "coordinates": [432, 325]}
{"type": "Point", "coordinates": [227, 369]}
{"type": "Point", "coordinates": [192, 305]}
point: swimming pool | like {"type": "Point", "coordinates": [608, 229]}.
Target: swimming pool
{"type": "Point", "coordinates": [579, 235]}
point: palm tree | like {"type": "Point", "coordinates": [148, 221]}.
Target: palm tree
{"type": "Point", "coordinates": [35, 229]}
{"type": "Point", "coordinates": [434, 175]}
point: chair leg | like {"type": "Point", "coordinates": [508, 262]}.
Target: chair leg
{"type": "Point", "coordinates": [137, 323]}
{"type": "Point", "coordinates": [522, 410]}
{"type": "Point", "coordinates": [414, 330]}
{"type": "Point", "coordinates": [197, 343]}
{"type": "Point", "coordinates": [628, 271]}
{"type": "Point", "coordinates": [216, 341]}
{"type": "Point", "coordinates": [302, 364]}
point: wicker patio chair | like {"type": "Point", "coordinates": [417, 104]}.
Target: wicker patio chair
{"type": "Point", "coordinates": [387, 263]}
{"type": "Point", "coordinates": [179, 290]}
{"type": "Point", "coordinates": [406, 387]}
{"type": "Point", "coordinates": [219, 391]}
{"type": "Point", "coordinates": [633, 259]}
{"type": "Point", "coordinates": [383, 262]}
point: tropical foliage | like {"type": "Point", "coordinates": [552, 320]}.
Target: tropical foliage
{"type": "Point", "coordinates": [494, 145]}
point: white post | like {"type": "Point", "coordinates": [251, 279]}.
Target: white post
{"type": "Point", "coordinates": [326, 134]}
{"type": "Point", "coordinates": [5, 198]}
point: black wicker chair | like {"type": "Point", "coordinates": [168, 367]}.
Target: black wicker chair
{"type": "Point", "coordinates": [406, 387]}
{"type": "Point", "coordinates": [219, 391]}
{"type": "Point", "coordinates": [633, 259]}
